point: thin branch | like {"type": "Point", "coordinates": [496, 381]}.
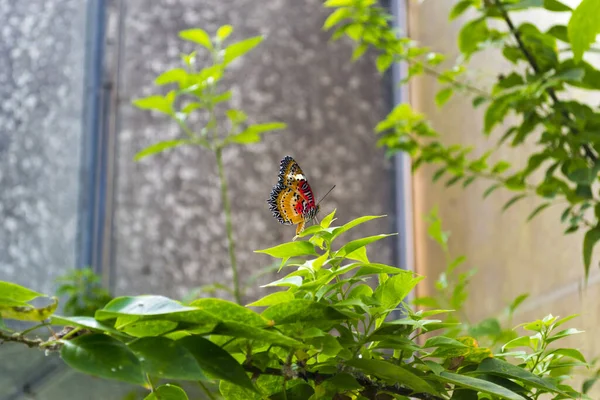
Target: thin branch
{"type": "Point", "coordinates": [454, 82]}
{"type": "Point", "coordinates": [534, 65]}
{"type": "Point", "coordinates": [18, 338]}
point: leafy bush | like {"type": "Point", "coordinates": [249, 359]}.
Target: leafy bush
{"type": "Point", "coordinates": [340, 330]}
{"type": "Point", "coordinates": [536, 92]}
{"type": "Point", "coordinates": [84, 292]}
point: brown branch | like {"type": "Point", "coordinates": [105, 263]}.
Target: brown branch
{"type": "Point", "coordinates": [363, 380]}
{"type": "Point", "coordinates": [20, 339]}
{"type": "Point", "coordinates": [534, 65]}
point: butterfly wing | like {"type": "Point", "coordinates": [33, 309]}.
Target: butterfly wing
{"type": "Point", "coordinates": [292, 200]}
{"type": "Point", "coordinates": [291, 175]}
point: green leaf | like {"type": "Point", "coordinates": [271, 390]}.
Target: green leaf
{"type": "Point", "coordinates": [517, 302]}
{"type": "Point", "coordinates": [175, 75]}
{"type": "Point", "coordinates": [299, 310]}
{"type": "Point", "coordinates": [156, 102]}
{"type": "Point", "coordinates": [512, 201]}
{"type": "Point", "coordinates": [167, 392]}
{"type": "Point", "coordinates": [336, 17]}
{"type": "Point", "coordinates": [239, 330]}
{"type": "Point", "coordinates": [142, 329]}
{"type": "Point", "coordinates": [25, 312]}
{"type": "Point", "coordinates": [354, 245]}
{"type": "Point", "coordinates": [500, 167]}
{"type": "Point", "coordinates": [339, 3]}
{"type": "Point", "coordinates": [459, 8]}
{"type": "Point", "coordinates": [583, 28]}
{"type": "Point", "coordinates": [443, 96]}
{"type": "Point", "coordinates": [383, 62]}
{"type": "Point", "coordinates": [590, 240]}
{"type": "Point", "coordinates": [165, 358]}
{"type": "Point", "coordinates": [359, 51]}
{"type": "Point", "coordinates": [346, 227]}
{"type": "Point", "coordinates": [393, 374]}
{"type": "Point", "coordinates": [238, 49]}
{"type": "Point", "coordinates": [141, 305]}
{"type": "Point", "coordinates": [228, 311]}
{"type": "Point", "coordinates": [290, 249]}
{"type": "Point", "coordinates": [197, 36]}
{"type": "Point", "coordinates": [443, 341]}
{"type": "Point", "coordinates": [216, 362]}
{"type": "Point", "coordinates": [395, 289]}
{"type": "Point", "coordinates": [495, 366]}
{"type": "Point", "coordinates": [344, 381]}
{"type": "Point", "coordinates": [272, 299]}
{"type": "Point", "coordinates": [224, 31]}
{"type": "Point", "coordinates": [471, 35]}
{"type": "Point", "coordinates": [491, 189]}
{"type": "Point", "coordinates": [556, 6]}
{"type": "Point", "coordinates": [16, 292]}
{"type": "Point", "coordinates": [252, 134]}
{"type": "Point", "coordinates": [478, 385]}
{"type": "Point", "coordinates": [159, 148]}
{"type": "Point", "coordinates": [572, 353]}
{"type": "Point", "coordinates": [288, 281]}
{"type": "Point", "coordinates": [562, 334]}
{"type": "Point", "coordinates": [537, 210]}
{"type": "Point", "coordinates": [559, 32]}
{"type": "Point", "coordinates": [85, 322]}
{"type": "Point", "coordinates": [100, 355]}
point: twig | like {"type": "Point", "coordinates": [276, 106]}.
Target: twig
{"type": "Point", "coordinates": [18, 338]}
{"type": "Point", "coordinates": [228, 225]}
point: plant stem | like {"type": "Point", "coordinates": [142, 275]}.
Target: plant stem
{"type": "Point", "coordinates": [228, 225]}
{"type": "Point", "coordinates": [206, 391]}
{"type": "Point", "coordinates": [20, 339]}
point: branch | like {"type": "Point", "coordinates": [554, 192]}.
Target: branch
{"type": "Point", "coordinates": [363, 380]}
{"type": "Point", "coordinates": [534, 65]}
{"type": "Point", "coordinates": [20, 339]}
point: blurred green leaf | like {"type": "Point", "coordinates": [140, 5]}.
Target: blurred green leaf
{"type": "Point", "coordinates": [238, 49]}
{"type": "Point", "coordinates": [160, 147]}
{"type": "Point", "coordinates": [198, 36]}
{"type": "Point", "coordinates": [583, 29]}
{"type": "Point", "coordinates": [591, 238]}
{"type": "Point", "coordinates": [216, 362]}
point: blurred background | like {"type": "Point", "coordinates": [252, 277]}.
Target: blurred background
{"type": "Point", "coordinates": [71, 195]}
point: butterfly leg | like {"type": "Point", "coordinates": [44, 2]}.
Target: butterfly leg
{"type": "Point", "coordinates": [300, 227]}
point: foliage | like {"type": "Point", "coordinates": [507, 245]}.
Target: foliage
{"type": "Point", "coordinates": [338, 329]}
{"type": "Point", "coordinates": [198, 99]}
{"type": "Point", "coordinates": [84, 292]}
{"type": "Point", "coordinates": [534, 93]}
{"type": "Point", "coordinates": [451, 291]}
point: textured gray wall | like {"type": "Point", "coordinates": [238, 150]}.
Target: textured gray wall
{"type": "Point", "coordinates": [169, 228]}
{"type": "Point", "coordinates": [41, 76]}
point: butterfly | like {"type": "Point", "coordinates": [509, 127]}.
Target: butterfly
{"type": "Point", "coordinates": [292, 201]}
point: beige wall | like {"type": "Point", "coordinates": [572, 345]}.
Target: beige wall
{"type": "Point", "coordinates": [511, 255]}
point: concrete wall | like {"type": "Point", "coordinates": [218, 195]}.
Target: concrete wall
{"type": "Point", "coordinates": [511, 255]}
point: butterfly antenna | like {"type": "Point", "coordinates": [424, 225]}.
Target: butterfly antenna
{"type": "Point", "coordinates": [322, 198]}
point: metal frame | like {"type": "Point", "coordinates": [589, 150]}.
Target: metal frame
{"type": "Point", "coordinates": [405, 257]}
{"type": "Point", "coordinates": [94, 143]}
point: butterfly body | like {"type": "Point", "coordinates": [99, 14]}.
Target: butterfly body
{"type": "Point", "coordinates": [292, 201]}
